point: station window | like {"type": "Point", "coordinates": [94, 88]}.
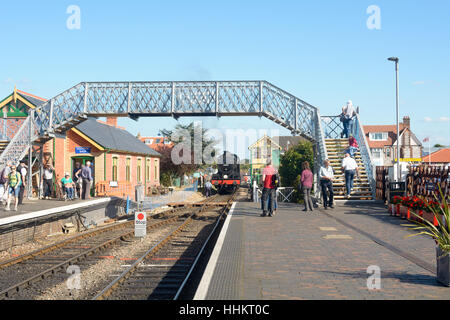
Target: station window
{"type": "Point", "coordinates": [156, 170]}
{"type": "Point", "coordinates": [115, 160]}
{"type": "Point", "coordinates": [147, 170]}
{"type": "Point", "coordinates": [258, 153]}
{"type": "Point", "coordinates": [128, 170]}
{"type": "Point", "coordinates": [139, 165]}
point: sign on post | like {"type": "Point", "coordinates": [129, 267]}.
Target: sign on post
{"type": "Point", "coordinates": [140, 224]}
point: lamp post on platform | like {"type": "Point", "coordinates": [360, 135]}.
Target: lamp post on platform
{"type": "Point", "coordinates": [398, 176]}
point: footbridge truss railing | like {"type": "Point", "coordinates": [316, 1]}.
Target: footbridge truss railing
{"type": "Point", "coordinates": [176, 99]}
{"type": "Point", "coordinates": [135, 99]}
{"type": "Point", "coordinates": [332, 129]}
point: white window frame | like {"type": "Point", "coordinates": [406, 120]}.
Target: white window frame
{"type": "Point", "coordinates": [384, 136]}
{"type": "Point", "coordinates": [375, 151]}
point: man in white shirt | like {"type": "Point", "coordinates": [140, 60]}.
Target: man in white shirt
{"type": "Point", "coordinates": [326, 182]}
{"type": "Point", "coordinates": [350, 167]}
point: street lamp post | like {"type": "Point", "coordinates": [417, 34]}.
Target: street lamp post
{"type": "Point", "coordinates": [395, 59]}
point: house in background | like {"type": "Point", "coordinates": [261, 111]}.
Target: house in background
{"type": "Point", "coordinates": [260, 152]}
{"type": "Point", "coordinates": [382, 140]}
{"type": "Point", "coordinates": [155, 142]}
{"type": "Point", "coordinates": [13, 112]}
{"type": "Point", "coordinates": [439, 158]}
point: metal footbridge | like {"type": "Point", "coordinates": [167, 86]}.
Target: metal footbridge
{"type": "Point", "coordinates": [174, 99]}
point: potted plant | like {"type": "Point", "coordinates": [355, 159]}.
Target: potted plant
{"type": "Point", "coordinates": [439, 230]}
{"type": "Point", "coordinates": [417, 205]}
{"type": "Point", "coordinates": [405, 207]}
{"type": "Point", "coordinates": [394, 207]}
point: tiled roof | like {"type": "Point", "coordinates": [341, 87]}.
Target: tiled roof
{"type": "Point", "coordinates": [31, 98]}
{"type": "Point", "coordinates": [390, 129]}
{"type": "Point", "coordinates": [114, 138]}
{"type": "Point", "coordinates": [440, 156]}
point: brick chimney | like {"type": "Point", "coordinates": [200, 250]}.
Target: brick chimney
{"type": "Point", "coordinates": [407, 122]}
{"type": "Point", "coordinates": [111, 121]}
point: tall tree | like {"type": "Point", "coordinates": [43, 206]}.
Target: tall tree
{"type": "Point", "coordinates": [193, 138]}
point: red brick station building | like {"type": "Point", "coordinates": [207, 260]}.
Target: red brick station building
{"type": "Point", "coordinates": [120, 160]}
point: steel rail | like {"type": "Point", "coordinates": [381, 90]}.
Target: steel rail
{"type": "Point", "coordinates": [88, 234]}
{"type": "Point", "coordinates": [194, 264]}
{"type": "Point", "coordinates": [62, 243]}
{"type": "Point", "coordinates": [106, 292]}
{"type": "Point", "coordinates": [23, 284]}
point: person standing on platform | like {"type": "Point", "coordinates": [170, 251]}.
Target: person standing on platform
{"type": "Point", "coordinates": [268, 190]}
{"type": "Point", "coordinates": [14, 182]}
{"type": "Point", "coordinates": [76, 179]}
{"type": "Point", "coordinates": [350, 167]}
{"type": "Point", "coordinates": [86, 176]}
{"type": "Point", "coordinates": [22, 169]}
{"type": "Point", "coordinates": [48, 181]}
{"type": "Point", "coordinates": [348, 112]}
{"type": "Point", "coordinates": [326, 182]}
{"type": "Point", "coordinates": [4, 182]}
{"type": "Point", "coordinates": [307, 182]}
{"type": "Point", "coordinates": [208, 187]}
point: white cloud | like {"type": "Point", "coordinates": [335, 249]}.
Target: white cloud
{"type": "Point", "coordinates": [440, 119]}
{"type": "Point", "coordinates": [417, 83]}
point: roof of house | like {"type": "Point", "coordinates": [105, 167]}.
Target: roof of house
{"type": "Point", "coordinates": [254, 145]}
{"type": "Point", "coordinates": [390, 129]}
{"type": "Point", "coordinates": [28, 99]}
{"type": "Point", "coordinates": [440, 156]}
{"type": "Point", "coordinates": [114, 138]}
{"type": "Point", "coordinates": [287, 142]}
{"type": "Point", "coordinates": [34, 100]}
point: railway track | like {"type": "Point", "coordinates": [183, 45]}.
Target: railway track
{"type": "Point", "coordinates": [28, 276]}
{"type": "Point", "coordinates": [19, 275]}
{"type": "Point", "coordinates": [161, 272]}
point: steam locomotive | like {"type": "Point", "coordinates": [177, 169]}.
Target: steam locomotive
{"type": "Point", "coordinates": [228, 176]}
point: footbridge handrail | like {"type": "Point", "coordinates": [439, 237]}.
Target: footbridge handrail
{"type": "Point", "coordinates": [359, 134]}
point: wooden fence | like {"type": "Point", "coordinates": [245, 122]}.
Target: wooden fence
{"type": "Point", "coordinates": [421, 181]}
{"type": "Point", "coordinates": [425, 181]}
{"type": "Point", "coordinates": [382, 183]}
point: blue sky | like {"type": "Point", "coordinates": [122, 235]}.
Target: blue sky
{"type": "Point", "coordinates": [320, 51]}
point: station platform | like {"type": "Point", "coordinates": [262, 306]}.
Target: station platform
{"type": "Point", "coordinates": [32, 209]}
{"type": "Point", "coordinates": [323, 255]}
